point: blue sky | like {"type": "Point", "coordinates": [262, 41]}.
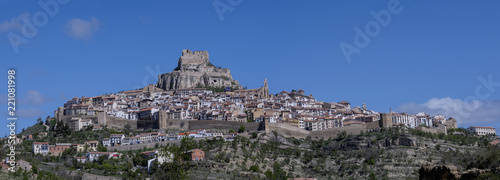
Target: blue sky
{"type": "Point", "coordinates": [433, 56]}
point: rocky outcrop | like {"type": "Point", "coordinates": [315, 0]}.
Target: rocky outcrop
{"type": "Point", "coordinates": [195, 70]}
{"type": "Point", "coordinates": [429, 171]}
{"type": "Point", "coordinates": [408, 141]}
{"type": "Point", "coordinates": [361, 142]}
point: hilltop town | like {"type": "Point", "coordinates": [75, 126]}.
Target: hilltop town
{"type": "Point", "coordinates": [199, 114]}
{"type": "Point", "coordinates": [189, 101]}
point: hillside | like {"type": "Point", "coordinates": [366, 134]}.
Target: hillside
{"type": "Point", "coordinates": [394, 153]}
{"type": "Point", "coordinates": [36, 128]}
{"type": "Point", "coordinates": [390, 154]}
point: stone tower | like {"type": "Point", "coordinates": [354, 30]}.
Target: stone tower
{"type": "Point", "coordinates": [364, 106]}
{"type": "Point", "coordinates": [59, 113]}
{"type": "Point", "coordinates": [101, 117]}
{"type": "Point", "coordinates": [162, 119]}
{"type": "Point", "coordinates": [385, 120]}
{"type": "Point", "coordinates": [266, 126]}
{"type": "Point", "coordinates": [265, 90]}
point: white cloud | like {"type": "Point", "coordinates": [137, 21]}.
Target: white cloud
{"type": "Point", "coordinates": [34, 97]}
{"type": "Point", "coordinates": [14, 23]}
{"type": "Point", "coordinates": [30, 113]}
{"type": "Point", "coordinates": [467, 113]}
{"type": "Point", "coordinates": [80, 29]}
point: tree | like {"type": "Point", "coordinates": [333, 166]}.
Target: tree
{"type": "Point", "coordinates": [254, 168]}
{"type": "Point", "coordinates": [242, 129]}
{"type": "Point", "coordinates": [127, 129]}
{"type": "Point", "coordinates": [101, 159]}
{"type": "Point", "coordinates": [277, 172]}
{"type": "Point", "coordinates": [188, 143]}
{"type": "Point", "coordinates": [68, 153]}
{"type": "Point", "coordinates": [39, 120]}
{"type": "Point", "coordinates": [34, 168]}
{"type": "Point", "coordinates": [101, 148]}
{"type": "Point", "coordinates": [254, 135]}
{"type": "Point", "coordinates": [177, 168]}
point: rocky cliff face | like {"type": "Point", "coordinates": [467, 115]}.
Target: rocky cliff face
{"type": "Point", "coordinates": [195, 70]}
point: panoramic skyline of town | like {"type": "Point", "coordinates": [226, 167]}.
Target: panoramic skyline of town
{"type": "Point", "coordinates": [434, 62]}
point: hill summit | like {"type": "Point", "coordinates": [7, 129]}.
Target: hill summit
{"type": "Point", "coordinates": [194, 70]}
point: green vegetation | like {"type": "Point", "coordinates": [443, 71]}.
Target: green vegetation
{"type": "Point", "coordinates": [176, 168]}
{"type": "Point", "coordinates": [463, 137]}
{"type": "Point", "coordinates": [242, 129]}
{"type": "Point", "coordinates": [487, 159]}
{"type": "Point", "coordinates": [379, 154]}
{"type": "Point", "coordinates": [35, 129]}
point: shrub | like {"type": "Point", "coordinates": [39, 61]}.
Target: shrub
{"type": "Point", "coordinates": [254, 168]}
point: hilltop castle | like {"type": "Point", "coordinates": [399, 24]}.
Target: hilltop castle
{"type": "Point", "coordinates": [194, 69]}
{"type": "Point", "coordinates": [192, 59]}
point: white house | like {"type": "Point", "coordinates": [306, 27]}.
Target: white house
{"type": "Point", "coordinates": [93, 156]}
{"type": "Point", "coordinates": [81, 159]}
{"type": "Point", "coordinates": [116, 139]}
{"type": "Point", "coordinates": [162, 137]}
{"type": "Point", "coordinates": [106, 142]}
{"type": "Point", "coordinates": [40, 148]}
{"type": "Point", "coordinates": [482, 130]}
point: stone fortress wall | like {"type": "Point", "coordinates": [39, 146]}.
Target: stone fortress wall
{"type": "Point", "coordinates": [111, 121]}
{"type": "Point", "coordinates": [282, 129]}
{"type": "Point", "coordinates": [99, 119]}
{"type": "Point", "coordinates": [193, 57]}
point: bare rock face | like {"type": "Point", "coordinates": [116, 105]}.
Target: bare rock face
{"type": "Point", "coordinates": [408, 141]}
{"type": "Point", "coordinates": [195, 70]}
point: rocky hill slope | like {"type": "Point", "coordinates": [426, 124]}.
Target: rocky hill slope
{"type": "Point", "coordinates": [388, 154]}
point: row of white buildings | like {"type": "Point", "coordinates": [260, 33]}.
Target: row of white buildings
{"type": "Point", "coordinates": [153, 137]}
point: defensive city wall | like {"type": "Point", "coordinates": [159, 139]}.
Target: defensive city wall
{"type": "Point", "coordinates": [283, 129]}
{"type": "Point", "coordinates": [291, 131]}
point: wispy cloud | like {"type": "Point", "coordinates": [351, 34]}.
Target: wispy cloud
{"type": "Point", "coordinates": [38, 73]}
{"type": "Point", "coordinates": [467, 113]}
{"type": "Point", "coordinates": [33, 97]}
{"type": "Point", "coordinates": [14, 23]}
{"type": "Point", "coordinates": [30, 113]}
{"type": "Point", "coordinates": [80, 29]}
